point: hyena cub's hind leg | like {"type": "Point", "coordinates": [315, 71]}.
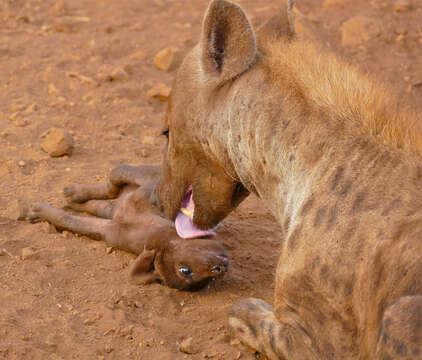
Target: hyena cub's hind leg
{"type": "Point", "coordinates": [400, 335]}
{"type": "Point", "coordinates": [253, 322]}
{"type": "Point", "coordinates": [100, 208]}
{"type": "Point", "coordinates": [93, 227]}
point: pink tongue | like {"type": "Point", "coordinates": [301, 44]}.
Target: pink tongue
{"type": "Point", "coordinates": [185, 227]}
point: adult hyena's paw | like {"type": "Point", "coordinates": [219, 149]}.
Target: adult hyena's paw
{"type": "Point", "coordinates": [38, 212]}
{"type": "Point", "coordinates": [76, 193]}
{"type": "Point", "coordinates": [247, 320]}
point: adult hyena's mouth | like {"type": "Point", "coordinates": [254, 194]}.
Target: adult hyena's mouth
{"type": "Point", "coordinates": [185, 227]}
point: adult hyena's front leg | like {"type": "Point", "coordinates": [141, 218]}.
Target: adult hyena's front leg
{"type": "Point", "coordinates": [253, 322]}
{"type": "Point", "coordinates": [93, 227]}
{"type": "Point", "coordinates": [400, 334]}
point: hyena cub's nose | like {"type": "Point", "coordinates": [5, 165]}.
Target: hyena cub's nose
{"type": "Point", "coordinates": [223, 266]}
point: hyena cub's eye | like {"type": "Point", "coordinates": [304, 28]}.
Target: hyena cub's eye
{"type": "Point", "coordinates": [184, 270]}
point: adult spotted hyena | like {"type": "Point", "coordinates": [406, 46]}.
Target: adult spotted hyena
{"type": "Point", "coordinates": [337, 160]}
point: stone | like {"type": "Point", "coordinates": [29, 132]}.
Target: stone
{"type": "Point", "coordinates": [28, 253]}
{"type": "Point", "coordinates": [402, 6]}
{"type": "Point", "coordinates": [187, 346]}
{"type": "Point", "coordinates": [160, 91]}
{"type": "Point", "coordinates": [57, 142]}
{"type": "Point", "coordinates": [17, 119]}
{"type": "Point", "coordinates": [168, 59]}
{"type": "Point", "coordinates": [358, 30]}
{"type": "Point", "coordinates": [52, 90]}
{"type": "Point", "coordinates": [119, 74]}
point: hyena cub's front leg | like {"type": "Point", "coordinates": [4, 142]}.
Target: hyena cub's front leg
{"type": "Point", "coordinates": [93, 227]}
{"type": "Point", "coordinates": [253, 322]}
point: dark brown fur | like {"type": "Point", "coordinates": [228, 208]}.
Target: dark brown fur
{"type": "Point", "coordinates": [133, 224]}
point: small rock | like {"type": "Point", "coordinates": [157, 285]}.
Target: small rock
{"type": "Point", "coordinates": [109, 250]}
{"type": "Point", "coordinates": [2, 253]}
{"type": "Point", "coordinates": [30, 109]}
{"type": "Point", "coordinates": [168, 59]}
{"type": "Point", "coordinates": [28, 253]}
{"type": "Point", "coordinates": [402, 6]}
{"type": "Point", "coordinates": [160, 92]}
{"type": "Point", "coordinates": [59, 8]}
{"type": "Point", "coordinates": [144, 153]}
{"type": "Point", "coordinates": [57, 142]}
{"type": "Point", "coordinates": [52, 90]}
{"type": "Point", "coordinates": [127, 331]}
{"type": "Point", "coordinates": [21, 163]}
{"type": "Point", "coordinates": [17, 119]}
{"type": "Point", "coordinates": [108, 348]}
{"type": "Point", "coordinates": [118, 74]}
{"type": "Point", "coordinates": [187, 346]}
{"type": "Point", "coordinates": [235, 342]}
{"type": "Point", "coordinates": [358, 30]}
{"type": "Point", "coordinates": [138, 55]}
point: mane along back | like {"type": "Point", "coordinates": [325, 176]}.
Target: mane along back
{"type": "Point", "coordinates": [344, 93]}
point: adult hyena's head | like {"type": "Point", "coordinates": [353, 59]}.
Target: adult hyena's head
{"type": "Point", "coordinates": [199, 186]}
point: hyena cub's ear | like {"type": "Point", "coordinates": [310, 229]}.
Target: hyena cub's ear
{"type": "Point", "coordinates": [279, 26]}
{"type": "Point", "coordinates": [227, 44]}
{"type": "Point", "coordinates": [142, 269]}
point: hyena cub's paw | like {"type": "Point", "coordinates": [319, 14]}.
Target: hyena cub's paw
{"type": "Point", "coordinates": [38, 212]}
{"type": "Point", "coordinates": [76, 193]}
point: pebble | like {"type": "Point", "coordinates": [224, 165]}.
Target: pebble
{"type": "Point", "coordinates": [57, 142]}
{"type": "Point", "coordinates": [28, 253]}
{"type": "Point", "coordinates": [402, 6]}
{"type": "Point", "coordinates": [160, 91]}
{"type": "Point", "coordinates": [109, 250]}
{"type": "Point", "coordinates": [17, 119]}
{"type": "Point", "coordinates": [119, 74]}
{"type": "Point", "coordinates": [2, 253]}
{"type": "Point", "coordinates": [108, 348]}
{"type": "Point", "coordinates": [168, 59]}
{"type": "Point", "coordinates": [52, 90]}
{"type": "Point", "coordinates": [187, 346]}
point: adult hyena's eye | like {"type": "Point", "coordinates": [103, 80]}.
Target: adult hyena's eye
{"type": "Point", "coordinates": [184, 270]}
{"type": "Point", "coordinates": [166, 133]}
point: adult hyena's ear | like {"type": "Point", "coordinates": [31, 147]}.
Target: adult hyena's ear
{"type": "Point", "coordinates": [279, 26]}
{"type": "Point", "coordinates": [227, 44]}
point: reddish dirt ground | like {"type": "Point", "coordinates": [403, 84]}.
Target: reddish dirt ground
{"type": "Point", "coordinates": [71, 299]}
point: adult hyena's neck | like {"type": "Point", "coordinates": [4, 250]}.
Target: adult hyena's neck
{"type": "Point", "coordinates": [264, 136]}
{"type": "Point", "coordinates": [279, 146]}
